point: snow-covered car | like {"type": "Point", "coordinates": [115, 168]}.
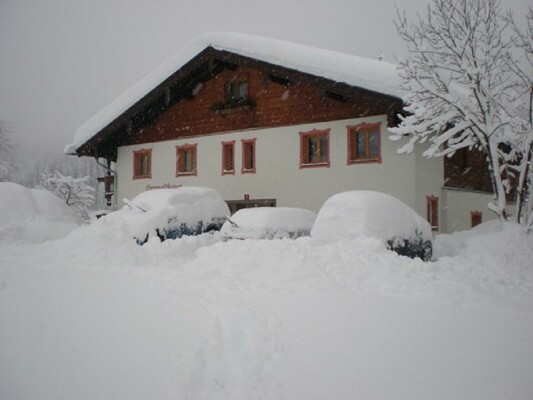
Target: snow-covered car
{"type": "Point", "coordinates": [170, 213]}
{"type": "Point", "coordinates": [352, 214]}
{"type": "Point", "coordinates": [269, 223]}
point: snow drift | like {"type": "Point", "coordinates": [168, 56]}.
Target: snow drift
{"type": "Point", "coordinates": [94, 316]}
{"type": "Point", "coordinates": [33, 214]}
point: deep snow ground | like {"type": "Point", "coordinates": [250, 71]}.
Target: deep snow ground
{"type": "Point", "coordinates": [94, 316]}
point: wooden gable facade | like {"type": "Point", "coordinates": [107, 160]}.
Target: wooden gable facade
{"type": "Point", "coordinates": [196, 100]}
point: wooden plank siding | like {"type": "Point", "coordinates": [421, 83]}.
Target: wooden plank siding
{"type": "Point", "coordinates": [182, 105]}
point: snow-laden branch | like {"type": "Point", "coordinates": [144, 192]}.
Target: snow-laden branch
{"type": "Point", "coordinates": [464, 84]}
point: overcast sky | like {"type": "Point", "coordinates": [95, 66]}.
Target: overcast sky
{"type": "Point", "coordinates": [61, 61]}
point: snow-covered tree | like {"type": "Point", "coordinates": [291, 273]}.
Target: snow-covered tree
{"type": "Point", "coordinates": [73, 191]}
{"type": "Point", "coordinates": [8, 168]}
{"type": "Point", "coordinates": [461, 88]}
{"type": "Point", "coordinates": [523, 69]}
{"type": "Point", "coordinates": [32, 176]}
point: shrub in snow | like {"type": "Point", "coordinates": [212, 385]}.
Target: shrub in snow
{"type": "Point", "coordinates": [33, 214]}
{"type": "Point", "coordinates": [269, 223]}
{"type": "Point", "coordinates": [75, 192]}
{"type": "Point", "coordinates": [354, 214]}
{"type": "Point", "coordinates": [170, 213]}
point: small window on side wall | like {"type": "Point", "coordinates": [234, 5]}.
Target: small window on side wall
{"type": "Point", "coordinates": [228, 158]}
{"type": "Point", "coordinates": [142, 164]}
{"type": "Point", "coordinates": [476, 218]}
{"type": "Point", "coordinates": [186, 159]}
{"type": "Point", "coordinates": [248, 156]}
{"type": "Point", "coordinates": [433, 212]}
{"type": "Point", "coordinates": [364, 143]}
{"type": "Point", "coordinates": [314, 148]}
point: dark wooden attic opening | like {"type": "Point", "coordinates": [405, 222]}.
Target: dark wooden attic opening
{"type": "Point", "coordinates": [336, 96]}
{"type": "Point", "coordinates": [280, 80]}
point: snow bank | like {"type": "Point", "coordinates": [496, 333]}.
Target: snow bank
{"type": "Point", "coordinates": [269, 223]}
{"type": "Point", "coordinates": [95, 316]}
{"type": "Point", "coordinates": [33, 215]}
{"type": "Point", "coordinates": [378, 76]}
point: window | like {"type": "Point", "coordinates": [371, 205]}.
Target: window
{"type": "Point", "coordinates": [186, 160]}
{"type": "Point", "coordinates": [228, 158]}
{"type": "Point", "coordinates": [433, 211]}
{"type": "Point", "coordinates": [237, 90]}
{"type": "Point", "coordinates": [248, 156]}
{"type": "Point", "coordinates": [314, 148]}
{"type": "Point", "coordinates": [142, 164]}
{"type": "Point", "coordinates": [364, 143]}
{"type": "Point", "coordinates": [476, 217]}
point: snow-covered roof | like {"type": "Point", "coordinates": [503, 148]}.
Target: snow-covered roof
{"type": "Point", "coordinates": [374, 75]}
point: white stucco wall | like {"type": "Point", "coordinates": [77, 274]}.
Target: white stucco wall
{"type": "Point", "coordinates": [278, 173]}
{"type": "Point", "coordinates": [458, 204]}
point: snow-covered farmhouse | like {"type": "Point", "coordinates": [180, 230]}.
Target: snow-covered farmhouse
{"type": "Point", "coordinates": [267, 122]}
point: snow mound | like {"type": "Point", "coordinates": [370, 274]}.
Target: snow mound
{"type": "Point", "coordinates": [269, 223]}
{"type": "Point", "coordinates": [33, 215]}
{"type": "Point", "coordinates": [499, 257]}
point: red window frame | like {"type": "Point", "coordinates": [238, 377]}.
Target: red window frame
{"type": "Point", "coordinates": [249, 156]}
{"type": "Point", "coordinates": [476, 218]}
{"type": "Point", "coordinates": [318, 136]}
{"type": "Point", "coordinates": [180, 166]}
{"type": "Point", "coordinates": [367, 129]}
{"type": "Point", "coordinates": [433, 211]}
{"type": "Point", "coordinates": [228, 158]}
{"type": "Point", "coordinates": [138, 172]}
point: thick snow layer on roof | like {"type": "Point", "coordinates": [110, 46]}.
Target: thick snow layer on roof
{"type": "Point", "coordinates": [378, 76]}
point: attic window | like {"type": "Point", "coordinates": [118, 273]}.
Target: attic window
{"type": "Point", "coordinates": [236, 98]}
{"type": "Point", "coordinates": [237, 90]}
